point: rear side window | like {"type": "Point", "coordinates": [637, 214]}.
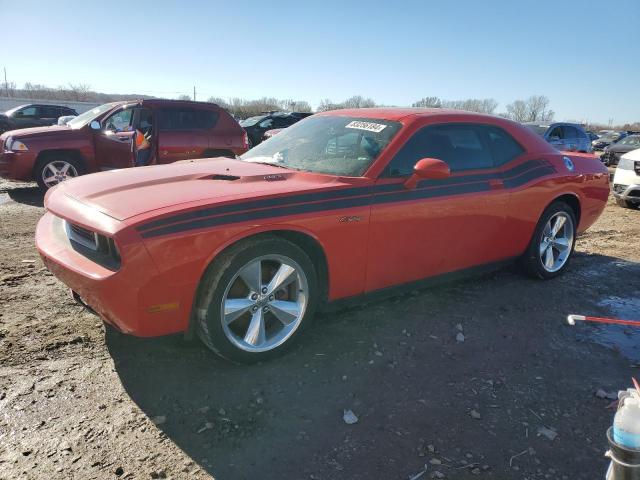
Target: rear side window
{"type": "Point", "coordinates": [48, 112]}
{"type": "Point", "coordinates": [503, 146]}
{"type": "Point", "coordinates": [187, 119]}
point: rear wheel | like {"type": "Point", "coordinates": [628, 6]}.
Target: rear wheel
{"type": "Point", "coordinates": [553, 242]}
{"type": "Point", "coordinates": [256, 299]}
{"type": "Point", "coordinates": [52, 170]}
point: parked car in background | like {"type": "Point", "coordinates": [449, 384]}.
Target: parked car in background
{"type": "Point", "coordinates": [626, 180]}
{"type": "Point", "coordinates": [270, 133]}
{"type": "Point", "coordinates": [592, 136]}
{"type": "Point", "coordinates": [613, 152]}
{"type": "Point", "coordinates": [33, 115]}
{"type": "Point", "coordinates": [344, 203]}
{"type": "Point", "coordinates": [607, 139]}
{"type": "Point", "coordinates": [66, 119]}
{"type": "Point", "coordinates": [258, 125]}
{"type": "Point", "coordinates": [100, 139]}
{"type": "Point", "coordinates": [564, 136]}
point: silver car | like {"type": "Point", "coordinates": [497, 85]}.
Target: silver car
{"type": "Point", "coordinates": [564, 136]}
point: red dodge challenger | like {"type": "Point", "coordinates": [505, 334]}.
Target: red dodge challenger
{"type": "Point", "coordinates": [344, 203]}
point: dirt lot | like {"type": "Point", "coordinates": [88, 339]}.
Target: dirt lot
{"type": "Point", "coordinates": [515, 399]}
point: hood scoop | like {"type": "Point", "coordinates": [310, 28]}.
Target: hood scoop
{"type": "Point", "coordinates": [219, 176]}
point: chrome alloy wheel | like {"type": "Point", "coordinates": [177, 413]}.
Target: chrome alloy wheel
{"type": "Point", "coordinates": [556, 242]}
{"type": "Point", "coordinates": [57, 171]}
{"type": "Point", "coordinates": [264, 303]}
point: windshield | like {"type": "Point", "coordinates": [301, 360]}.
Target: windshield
{"type": "Point", "coordinates": [539, 129]}
{"type": "Point", "coordinates": [327, 144]}
{"type": "Point", "coordinates": [632, 140]}
{"type": "Point", "coordinates": [251, 121]}
{"type": "Point", "coordinates": [83, 119]}
{"type": "Point", "coordinates": [10, 112]}
{"type": "Point", "coordinates": [607, 137]}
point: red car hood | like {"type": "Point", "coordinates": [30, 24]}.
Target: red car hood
{"type": "Point", "coordinates": [123, 194]}
{"type": "Point", "coordinates": [37, 131]}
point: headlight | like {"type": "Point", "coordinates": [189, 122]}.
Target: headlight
{"type": "Point", "coordinates": [15, 145]}
{"type": "Point", "coordinates": [625, 164]}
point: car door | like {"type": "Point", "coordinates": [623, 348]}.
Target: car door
{"type": "Point", "coordinates": [555, 137]}
{"type": "Point", "coordinates": [48, 115]}
{"type": "Point", "coordinates": [183, 133]}
{"type": "Point", "coordinates": [113, 141]}
{"type": "Point", "coordinates": [442, 225]}
{"type": "Point", "coordinates": [25, 117]}
{"type": "Point", "coordinates": [570, 138]}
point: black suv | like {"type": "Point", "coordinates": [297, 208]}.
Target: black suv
{"type": "Point", "coordinates": [33, 115]}
{"type": "Point", "coordinates": [256, 126]}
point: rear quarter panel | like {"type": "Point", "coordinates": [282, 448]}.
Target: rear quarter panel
{"type": "Point", "coordinates": [588, 183]}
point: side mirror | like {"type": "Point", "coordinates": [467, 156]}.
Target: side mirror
{"type": "Point", "coordinates": [425, 169]}
{"type": "Point", "coordinates": [95, 125]}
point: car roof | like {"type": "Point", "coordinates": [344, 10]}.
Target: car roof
{"type": "Point", "coordinates": [165, 102]}
{"type": "Point", "coordinates": [396, 113]}
{"type": "Point", "coordinates": [552, 124]}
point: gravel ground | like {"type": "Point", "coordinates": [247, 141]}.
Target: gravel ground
{"type": "Point", "coordinates": [514, 399]}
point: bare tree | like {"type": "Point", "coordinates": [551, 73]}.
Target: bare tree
{"type": "Point", "coordinates": [221, 102]}
{"type": "Point", "coordinates": [79, 92]}
{"type": "Point", "coordinates": [428, 102]}
{"type": "Point", "coordinates": [184, 97]}
{"type": "Point", "coordinates": [357, 101]}
{"type": "Point", "coordinates": [534, 109]}
{"type": "Point", "coordinates": [517, 111]}
{"type": "Point", "coordinates": [486, 105]}
{"type": "Point", "coordinates": [539, 110]}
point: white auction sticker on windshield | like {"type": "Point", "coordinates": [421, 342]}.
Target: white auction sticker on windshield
{"type": "Point", "coordinates": [368, 126]}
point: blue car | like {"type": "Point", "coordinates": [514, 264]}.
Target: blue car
{"type": "Point", "coordinates": [564, 136]}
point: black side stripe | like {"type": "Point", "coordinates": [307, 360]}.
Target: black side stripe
{"type": "Point", "coordinates": [259, 214]}
{"type": "Point", "coordinates": [360, 196]}
{"type": "Point", "coordinates": [255, 204]}
{"type": "Point", "coordinates": [330, 195]}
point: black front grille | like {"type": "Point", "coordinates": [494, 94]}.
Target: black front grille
{"type": "Point", "coordinates": [83, 233]}
{"type": "Point", "coordinates": [619, 189]}
{"type": "Point", "coordinates": [94, 246]}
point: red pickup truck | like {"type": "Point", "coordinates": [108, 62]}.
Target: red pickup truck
{"type": "Point", "coordinates": [100, 139]}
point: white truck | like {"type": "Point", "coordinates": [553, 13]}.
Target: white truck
{"type": "Point", "coordinates": [626, 180]}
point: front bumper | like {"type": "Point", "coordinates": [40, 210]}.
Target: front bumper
{"type": "Point", "coordinates": [630, 193]}
{"type": "Point", "coordinates": [17, 165]}
{"type": "Point", "coordinates": [135, 298]}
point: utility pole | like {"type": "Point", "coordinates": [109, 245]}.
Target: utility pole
{"type": "Point", "coordinates": [194, 93]}
{"type": "Point", "coordinates": [6, 84]}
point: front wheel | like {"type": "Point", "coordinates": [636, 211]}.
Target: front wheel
{"type": "Point", "coordinates": [553, 242]}
{"type": "Point", "coordinates": [53, 170]}
{"type": "Point", "coordinates": [256, 299]}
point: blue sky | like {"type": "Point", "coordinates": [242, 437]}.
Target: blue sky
{"type": "Point", "coordinates": [583, 55]}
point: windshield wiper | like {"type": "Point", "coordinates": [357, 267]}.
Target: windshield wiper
{"type": "Point", "coordinates": [277, 165]}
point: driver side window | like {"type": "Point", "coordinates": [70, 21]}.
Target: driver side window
{"type": "Point", "coordinates": [556, 133]}
{"type": "Point", "coordinates": [119, 121]}
{"type": "Point", "coordinates": [461, 146]}
{"type": "Point", "coordinates": [29, 112]}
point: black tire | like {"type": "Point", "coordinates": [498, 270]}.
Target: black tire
{"type": "Point", "coordinates": [531, 262]}
{"type": "Point", "coordinates": [51, 158]}
{"type": "Point", "coordinates": [220, 276]}
{"type": "Point", "coordinates": [626, 204]}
